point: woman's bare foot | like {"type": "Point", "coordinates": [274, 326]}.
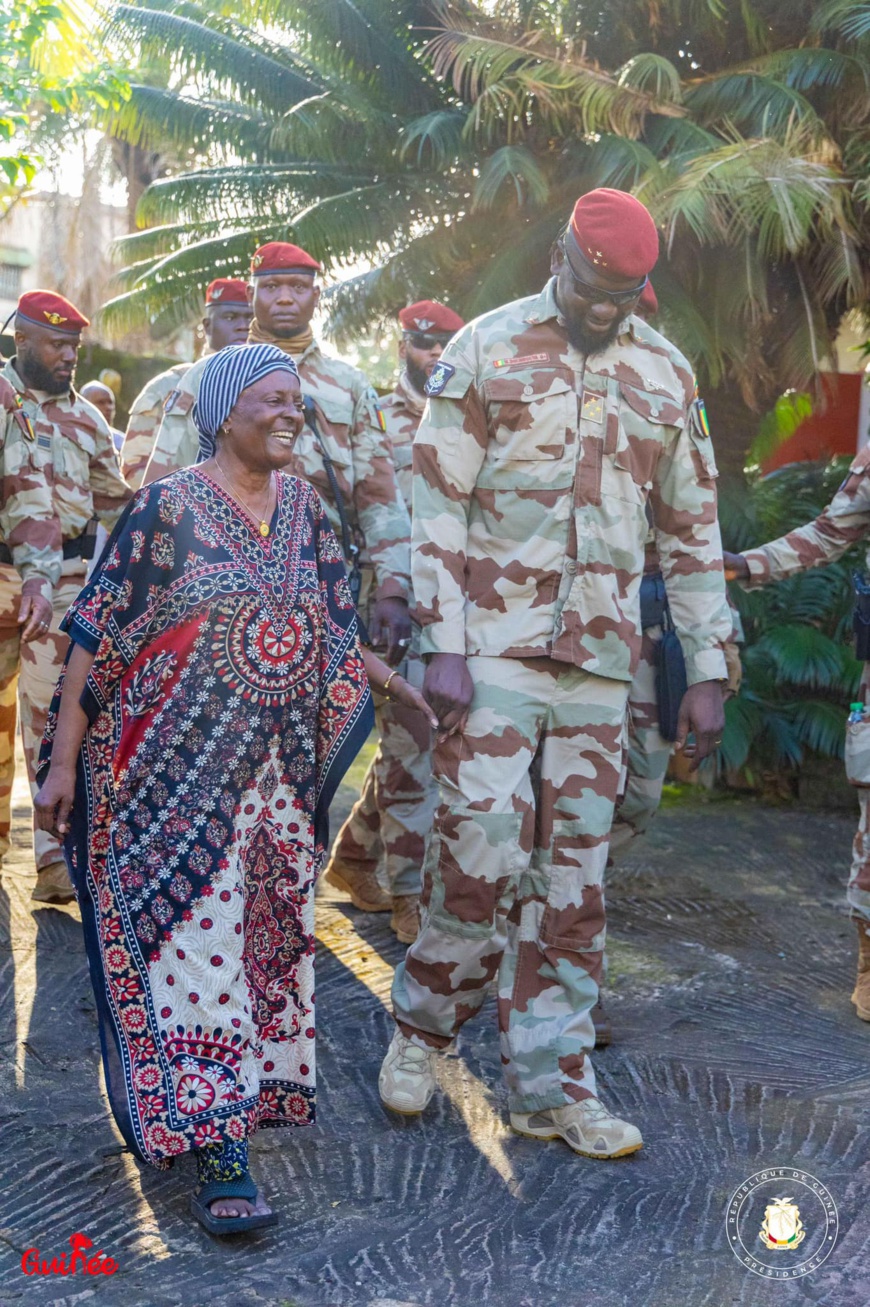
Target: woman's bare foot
{"type": "Point", "coordinates": [231, 1207]}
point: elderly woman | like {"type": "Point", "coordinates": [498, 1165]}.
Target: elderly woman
{"type": "Point", "coordinates": [214, 695]}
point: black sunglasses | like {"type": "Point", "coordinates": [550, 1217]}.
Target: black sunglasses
{"type": "Point", "coordinates": [426, 339]}
{"type": "Point", "coordinates": [595, 294]}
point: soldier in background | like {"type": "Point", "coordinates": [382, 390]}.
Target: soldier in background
{"type": "Point", "coordinates": [75, 450]}
{"type": "Point", "coordinates": [343, 449]}
{"type": "Point", "coordinates": [844, 523]}
{"type": "Point", "coordinates": [30, 545]}
{"type": "Point", "coordinates": [401, 769]}
{"type": "Point", "coordinates": [551, 423]}
{"type": "Point", "coordinates": [225, 321]}
{"type": "Point", "coordinates": [103, 398]}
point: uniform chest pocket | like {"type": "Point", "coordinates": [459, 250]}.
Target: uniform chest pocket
{"type": "Point", "coordinates": [643, 417]}
{"type": "Point", "coordinates": [532, 426]}
{"type": "Point", "coordinates": [336, 408]}
{"type": "Point", "coordinates": [402, 456]}
{"type": "Point", "coordinates": [72, 452]}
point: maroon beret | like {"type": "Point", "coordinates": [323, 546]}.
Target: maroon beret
{"type": "Point", "coordinates": [46, 308]}
{"type": "Point", "coordinates": [278, 256]}
{"type": "Point", "coordinates": [616, 233]}
{"type": "Point", "coordinates": [429, 315]}
{"type": "Point", "coordinates": [226, 290]}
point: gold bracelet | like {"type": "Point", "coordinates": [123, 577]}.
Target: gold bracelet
{"type": "Point", "coordinates": [386, 686]}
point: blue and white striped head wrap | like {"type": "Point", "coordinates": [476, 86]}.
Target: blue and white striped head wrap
{"type": "Point", "coordinates": [224, 377]}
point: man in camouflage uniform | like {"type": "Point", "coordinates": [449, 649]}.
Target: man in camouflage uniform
{"type": "Point", "coordinates": [225, 321]}
{"type": "Point", "coordinates": [550, 424]}
{"type": "Point", "coordinates": [402, 765]}
{"type": "Point", "coordinates": [845, 522]}
{"type": "Point", "coordinates": [30, 560]}
{"type": "Point", "coordinates": [74, 447]}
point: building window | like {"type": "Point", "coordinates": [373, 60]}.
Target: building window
{"type": "Point", "coordinates": [10, 281]}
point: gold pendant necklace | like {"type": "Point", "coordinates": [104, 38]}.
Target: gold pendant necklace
{"type": "Point", "coordinates": [264, 525]}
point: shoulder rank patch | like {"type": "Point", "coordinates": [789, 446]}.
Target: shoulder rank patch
{"type": "Point", "coordinates": [520, 359]}
{"type": "Point", "coordinates": [170, 401]}
{"type": "Point", "coordinates": [438, 378]}
{"type": "Point", "coordinates": [699, 409]}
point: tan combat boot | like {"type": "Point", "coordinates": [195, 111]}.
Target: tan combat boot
{"type": "Point", "coordinates": [53, 885]}
{"type": "Point", "coordinates": [861, 994]}
{"type": "Point", "coordinates": [405, 920]}
{"type": "Point", "coordinates": [360, 883]}
{"type": "Point", "coordinates": [586, 1127]}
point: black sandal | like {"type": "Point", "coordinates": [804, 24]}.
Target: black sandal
{"type": "Point", "coordinates": [243, 1187]}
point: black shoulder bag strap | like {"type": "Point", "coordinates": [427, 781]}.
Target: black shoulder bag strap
{"type": "Point", "coordinates": [349, 548]}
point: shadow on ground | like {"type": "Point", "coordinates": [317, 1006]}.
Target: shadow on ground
{"type": "Point", "coordinates": [736, 1050]}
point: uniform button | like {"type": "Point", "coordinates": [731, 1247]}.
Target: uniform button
{"type": "Point", "coordinates": [528, 390]}
{"type": "Point", "coordinates": [570, 568]}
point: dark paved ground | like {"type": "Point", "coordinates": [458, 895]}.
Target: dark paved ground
{"type": "Point", "coordinates": [737, 1050]}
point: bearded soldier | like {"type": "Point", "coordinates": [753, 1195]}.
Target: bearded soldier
{"type": "Point", "coordinates": [401, 770]}
{"type": "Point", "coordinates": [225, 321]}
{"type": "Point", "coordinates": [77, 456]}
{"type": "Point", "coordinates": [551, 423]}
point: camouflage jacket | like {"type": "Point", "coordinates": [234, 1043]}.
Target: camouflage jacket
{"type": "Point", "coordinates": [145, 418]}
{"type": "Point", "coordinates": [29, 527]}
{"type": "Point", "coordinates": [350, 423]}
{"type": "Point", "coordinates": [843, 523]}
{"type": "Point", "coordinates": [74, 444]}
{"type": "Point", "coordinates": [532, 470]}
{"type": "Point", "coordinates": [402, 412]}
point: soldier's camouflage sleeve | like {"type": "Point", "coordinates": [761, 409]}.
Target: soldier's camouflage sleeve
{"type": "Point", "coordinates": [380, 508]}
{"type": "Point", "coordinates": [683, 502]}
{"type": "Point", "coordinates": [146, 415]}
{"type": "Point", "coordinates": [177, 442]}
{"type": "Point", "coordinates": [843, 523]}
{"type": "Point", "coordinates": [449, 449]}
{"type": "Point", "coordinates": [109, 489]}
{"type": "Point", "coordinates": [28, 522]}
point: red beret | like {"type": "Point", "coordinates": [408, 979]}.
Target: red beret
{"type": "Point", "coordinates": [226, 290]}
{"type": "Point", "coordinates": [648, 304]}
{"type": "Point", "coordinates": [616, 233]}
{"type": "Point", "coordinates": [429, 315]}
{"type": "Point", "coordinates": [48, 309]}
{"type": "Point", "coordinates": [278, 256]}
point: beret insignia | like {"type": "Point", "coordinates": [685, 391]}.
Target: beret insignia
{"type": "Point", "coordinates": [256, 261]}
{"type": "Point", "coordinates": [438, 378]}
{"type": "Point", "coordinates": [54, 318]}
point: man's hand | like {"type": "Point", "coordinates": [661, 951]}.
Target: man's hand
{"type": "Point", "coordinates": [448, 688]}
{"type": "Point", "coordinates": [702, 712]}
{"type": "Point", "coordinates": [34, 617]}
{"type": "Point", "coordinates": [391, 628]}
{"type": "Point", "coordinates": [736, 567]}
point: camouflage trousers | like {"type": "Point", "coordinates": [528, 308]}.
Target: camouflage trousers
{"type": "Point", "coordinates": [648, 753]}
{"type": "Point", "coordinates": [393, 815]}
{"type": "Point", "coordinates": [858, 891]}
{"type": "Point", "coordinates": [512, 882]}
{"type": "Point", "coordinates": [28, 672]}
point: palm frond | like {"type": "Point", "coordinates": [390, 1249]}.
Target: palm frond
{"type": "Point", "coordinates": [515, 167]}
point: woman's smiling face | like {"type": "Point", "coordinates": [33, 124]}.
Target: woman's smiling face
{"type": "Point", "coordinates": [268, 416]}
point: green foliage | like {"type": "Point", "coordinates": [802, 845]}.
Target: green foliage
{"type": "Point", "coordinates": [799, 669]}
{"type": "Point", "coordinates": [389, 133]}
{"type": "Point", "coordinates": [47, 76]}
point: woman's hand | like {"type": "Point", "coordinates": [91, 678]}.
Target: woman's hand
{"type": "Point", "coordinates": [54, 801]}
{"type": "Point", "coordinates": [404, 693]}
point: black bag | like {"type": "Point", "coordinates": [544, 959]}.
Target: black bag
{"type": "Point", "coordinates": [671, 681]}
{"type": "Point", "coordinates": [861, 618]}
{"type": "Point", "coordinates": [652, 600]}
